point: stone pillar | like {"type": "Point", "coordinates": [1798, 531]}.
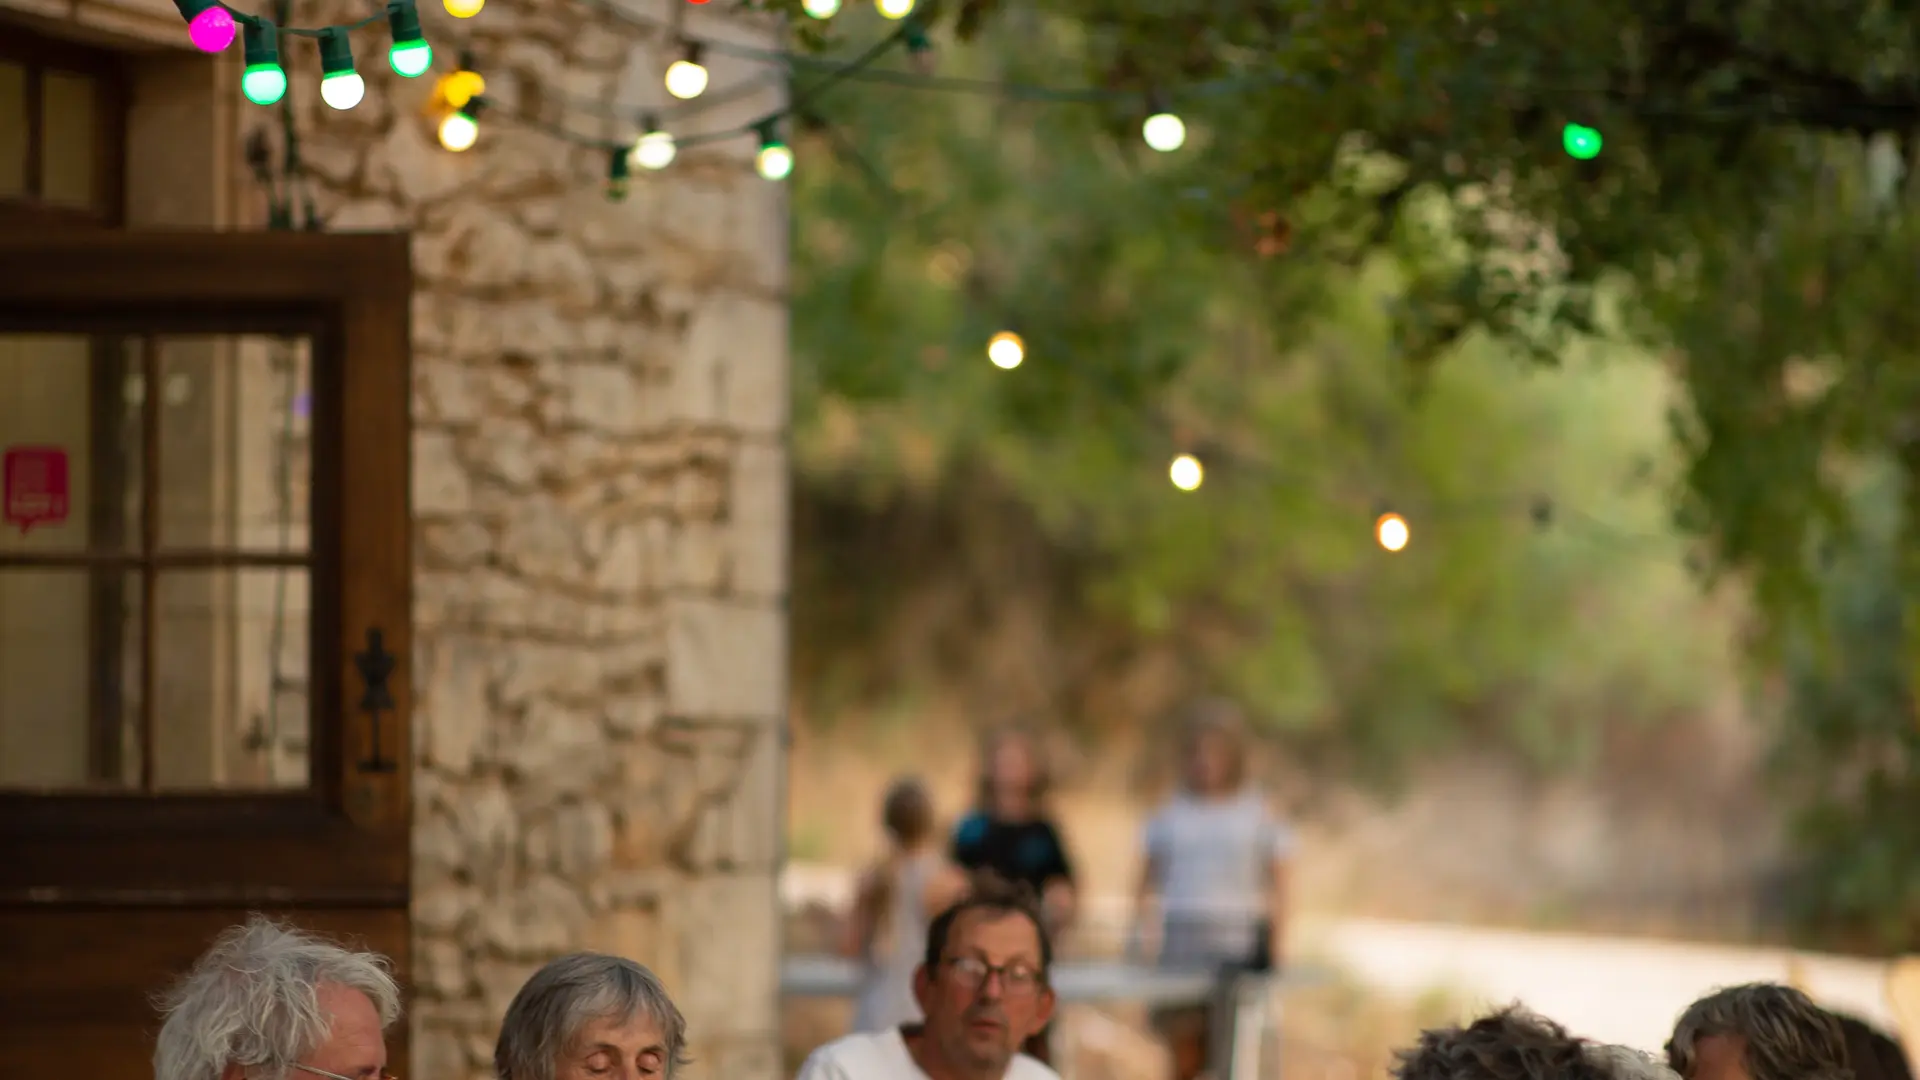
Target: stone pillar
{"type": "Point", "coordinates": [599, 483]}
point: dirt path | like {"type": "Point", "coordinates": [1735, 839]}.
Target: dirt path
{"type": "Point", "coordinates": [1624, 990]}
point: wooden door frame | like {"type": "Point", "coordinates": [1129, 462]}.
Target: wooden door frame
{"type": "Point", "coordinates": [352, 293]}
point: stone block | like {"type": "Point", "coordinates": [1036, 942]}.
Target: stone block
{"type": "Point", "coordinates": [440, 483]}
{"type": "Point", "coordinates": [758, 519]}
{"type": "Point", "coordinates": [739, 829]}
{"type": "Point", "coordinates": [725, 661]}
{"type": "Point", "coordinates": [732, 369]}
{"type": "Point", "coordinates": [452, 716]}
{"type": "Point", "coordinates": [727, 923]}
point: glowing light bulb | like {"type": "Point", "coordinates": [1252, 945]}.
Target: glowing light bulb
{"type": "Point", "coordinates": [459, 131]}
{"type": "Point", "coordinates": [1581, 143]}
{"type": "Point", "coordinates": [344, 90]}
{"type": "Point", "coordinates": [821, 9]}
{"type": "Point", "coordinates": [1186, 473]}
{"type": "Point", "coordinates": [775, 160]}
{"type": "Point", "coordinates": [1006, 350]}
{"type": "Point", "coordinates": [654, 150]}
{"type": "Point", "coordinates": [410, 59]}
{"type": "Point", "coordinates": [212, 30]}
{"type": "Point", "coordinates": [464, 9]}
{"type": "Point", "coordinates": [687, 77]}
{"type": "Point", "coordinates": [263, 84]}
{"type": "Point", "coordinates": [1164, 132]}
{"type": "Point", "coordinates": [459, 87]}
{"type": "Point", "coordinates": [893, 9]}
{"type": "Point", "coordinates": [1392, 532]}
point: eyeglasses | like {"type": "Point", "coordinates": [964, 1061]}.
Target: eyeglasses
{"type": "Point", "coordinates": [1015, 979]}
{"type": "Point", "coordinates": [335, 1075]}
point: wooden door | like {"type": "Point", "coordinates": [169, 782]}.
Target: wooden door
{"type": "Point", "coordinates": [204, 616]}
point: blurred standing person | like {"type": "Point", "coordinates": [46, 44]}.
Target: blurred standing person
{"type": "Point", "coordinates": [1214, 871]}
{"type": "Point", "coordinates": [1010, 836]}
{"type": "Point", "coordinates": [897, 898]}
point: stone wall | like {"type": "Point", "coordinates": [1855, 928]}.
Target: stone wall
{"type": "Point", "coordinates": [599, 476]}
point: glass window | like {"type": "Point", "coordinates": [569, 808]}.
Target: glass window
{"type": "Point", "coordinates": [154, 560]}
{"type": "Point", "coordinates": [70, 139]}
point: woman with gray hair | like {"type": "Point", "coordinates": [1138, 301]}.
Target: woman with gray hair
{"type": "Point", "coordinates": [268, 1002]}
{"type": "Point", "coordinates": [589, 1016]}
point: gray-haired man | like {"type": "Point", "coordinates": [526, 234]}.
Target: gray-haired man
{"type": "Point", "coordinates": [268, 1002]}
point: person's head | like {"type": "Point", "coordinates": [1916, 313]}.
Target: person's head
{"type": "Point", "coordinates": [268, 1002]}
{"type": "Point", "coordinates": [983, 984]}
{"type": "Point", "coordinates": [1759, 1031]}
{"type": "Point", "coordinates": [1213, 748]}
{"type": "Point", "coordinates": [1514, 1044]}
{"type": "Point", "coordinates": [1013, 773]}
{"type": "Point", "coordinates": [590, 1015]}
{"type": "Point", "coordinates": [907, 812]}
{"type": "Point", "coordinates": [1872, 1053]}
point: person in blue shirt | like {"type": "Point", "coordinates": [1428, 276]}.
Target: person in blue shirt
{"type": "Point", "coordinates": [1010, 837]}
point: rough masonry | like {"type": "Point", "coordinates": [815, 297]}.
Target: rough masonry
{"type": "Point", "coordinates": [599, 477]}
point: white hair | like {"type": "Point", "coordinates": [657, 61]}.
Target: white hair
{"type": "Point", "coordinates": [1626, 1063]}
{"type": "Point", "coordinates": [254, 1000]}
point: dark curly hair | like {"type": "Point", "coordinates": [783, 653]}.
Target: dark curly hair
{"type": "Point", "coordinates": [1871, 1053]}
{"type": "Point", "coordinates": [1512, 1044]}
{"type": "Point", "coordinates": [1787, 1036]}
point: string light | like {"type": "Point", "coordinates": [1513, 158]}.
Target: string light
{"type": "Point", "coordinates": [460, 129]}
{"type": "Point", "coordinates": [464, 9]}
{"type": "Point", "coordinates": [821, 9]}
{"type": "Point", "coordinates": [618, 175]}
{"type": "Point", "coordinates": [409, 55]}
{"type": "Point", "coordinates": [1163, 130]}
{"type": "Point", "coordinates": [1391, 531]}
{"type": "Point", "coordinates": [687, 77]}
{"type": "Point", "coordinates": [210, 25]}
{"type": "Point", "coordinates": [341, 87]}
{"type": "Point", "coordinates": [893, 9]}
{"type": "Point", "coordinates": [263, 81]}
{"type": "Point", "coordinates": [775, 159]}
{"type": "Point", "coordinates": [1006, 350]}
{"type": "Point", "coordinates": [654, 149]}
{"type": "Point", "coordinates": [459, 87]}
{"type": "Point", "coordinates": [1186, 473]}
{"type": "Point", "coordinates": [1581, 142]}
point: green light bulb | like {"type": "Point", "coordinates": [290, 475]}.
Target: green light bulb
{"type": "Point", "coordinates": [263, 84]}
{"type": "Point", "coordinates": [1581, 142]}
{"type": "Point", "coordinates": [410, 59]}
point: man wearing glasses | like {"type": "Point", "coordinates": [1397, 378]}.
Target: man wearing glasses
{"type": "Point", "coordinates": [268, 1002]}
{"type": "Point", "coordinates": [982, 986]}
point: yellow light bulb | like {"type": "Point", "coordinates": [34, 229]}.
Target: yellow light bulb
{"type": "Point", "coordinates": [1186, 473]}
{"type": "Point", "coordinates": [459, 87]}
{"type": "Point", "coordinates": [894, 9]}
{"type": "Point", "coordinates": [464, 9]}
{"type": "Point", "coordinates": [1392, 532]}
{"type": "Point", "coordinates": [1006, 350]}
{"type": "Point", "coordinates": [686, 79]}
{"type": "Point", "coordinates": [458, 132]}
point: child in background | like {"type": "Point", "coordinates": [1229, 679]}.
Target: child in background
{"type": "Point", "coordinates": [898, 896]}
{"type": "Point", "coordinates": [1215, 872]}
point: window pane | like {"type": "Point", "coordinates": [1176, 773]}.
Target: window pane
{"type": "Point", "coordinates": [13, 131]}
{"type": "Point", "coordinates": [69, 126]}
{"type": "Point", "coordinates": [235, 443]}
{"type": "Point", "coordinates": [69, 445]}
{"type": "Point", "coordinates": [69, 678]}
{"type": "Point", "coordinates": [230, 679]}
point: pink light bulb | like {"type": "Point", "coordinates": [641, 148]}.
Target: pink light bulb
{"type": "Point", "coordinates": [212, 30]}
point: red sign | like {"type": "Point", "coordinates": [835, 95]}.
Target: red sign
{"type": "Point", "coordinates": [35, 490]}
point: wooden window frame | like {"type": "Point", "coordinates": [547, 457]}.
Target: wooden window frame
{"type": "Point", "coordinates": [39, 54]}
{"type": "Point", "coordinates": [344, 293]}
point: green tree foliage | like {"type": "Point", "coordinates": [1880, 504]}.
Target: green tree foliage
{"type": "Point", "coordinates": [1542, 591]}
{"type": "Point", "coordinates": [1849, 749]}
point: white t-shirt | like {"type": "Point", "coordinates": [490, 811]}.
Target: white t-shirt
{"type": "Point", "coordinates": [883, 1056]}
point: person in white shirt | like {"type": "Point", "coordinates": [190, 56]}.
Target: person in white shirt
{"type": "Point", "coordinates": [983, 988]}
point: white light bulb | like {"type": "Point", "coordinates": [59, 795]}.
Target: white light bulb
{"type": "Point", "coordinates": [458, 132]}
{"type": "Point", "coordinates": [822, 9]}
{"type": "Point", "coordinates": [1164, 132]}
{"type": "Point", "coordinates": [1392, 532]}
{"type": "Point", "coordinates": [894, 9]}
{"type": "Point", "coordinates": [774, 161]}
{"type": "Point", "coordinates": [1006, 350]}
{"type": "Point", "coordinates": [686, 80]}
{"type": "Point", "coordinates": [654, 150]}
{"type": "Point", "coordinates": [343, 91]}
{"type": "Point", "coordinates": [1186, 472]}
